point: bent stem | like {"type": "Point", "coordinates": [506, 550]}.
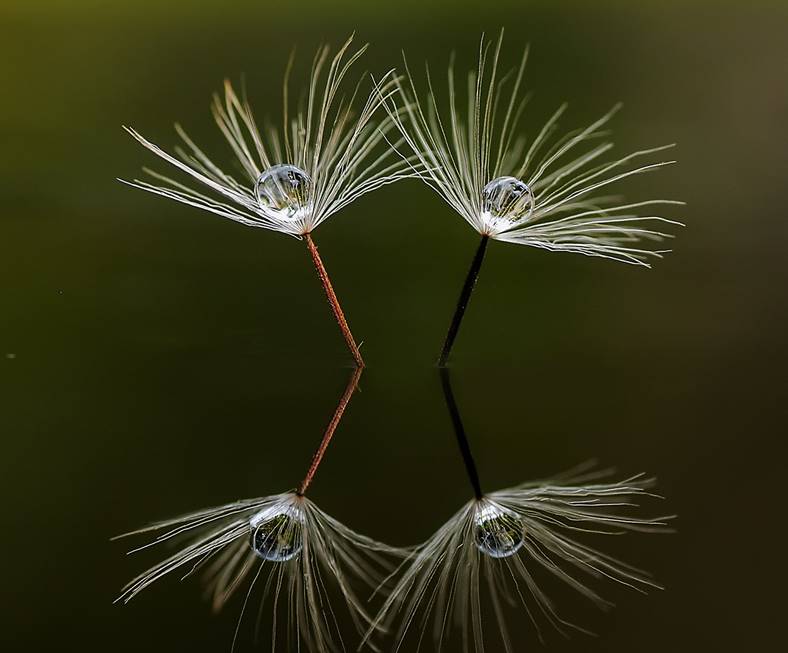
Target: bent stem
{"type": "Point", "coordinates": [332, 299]}
{"type": "Point", "coordinates": [459, 431]}
{"type": "Point", "coordinates": [462, 302]}
{"type": "Point", "coordinates": [329, 433]}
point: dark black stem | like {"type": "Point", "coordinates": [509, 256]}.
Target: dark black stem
{"type": "Point", "coordinates": [459, 431]}
{"type": "Point", "coordinates": [462, 302]}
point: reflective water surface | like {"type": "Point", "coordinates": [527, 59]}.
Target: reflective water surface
{"type": "Point", "coordinates": [156, 360]}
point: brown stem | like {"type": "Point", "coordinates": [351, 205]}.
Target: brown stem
{"type": "Point", "coordinates": [332, 426]}
{"type": "Point", "coordinates": [332, 299]}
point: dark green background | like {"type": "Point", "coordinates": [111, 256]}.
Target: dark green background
{"type": "Point", "coordinates": [155, 359]}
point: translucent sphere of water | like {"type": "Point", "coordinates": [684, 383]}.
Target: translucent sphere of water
{"type": "Point", "coordinates": [507, 198]}
{"type": "Point", "coordinates": [284, 191]}
{"type": "Point", "coordinates": [497, 532]}
{"type": "Point", "coordinates": [276, 534]}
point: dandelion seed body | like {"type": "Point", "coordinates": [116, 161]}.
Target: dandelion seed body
{"type": "Point", "coordinates": [277, 533]}
{"type": "Point", "coordinates": [498, 532]}
{"type": "Point", "coordinates": [506, 201]}
{"type": "Point", "coordinates": [327, 154]}
{"type": "Point", "coordinates": [545, 190]}
{"type": "Point", "coordinates": [284, 192]}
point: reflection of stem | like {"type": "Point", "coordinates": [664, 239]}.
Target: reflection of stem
{"type": "Point", "coordinates": [332, 426]}
{"type": "Point", "coordinates": [462, 302]}
{"type": "Point", "coordinates": [459, 431]}
{"type": "Point", "coordinates": [332, 299]}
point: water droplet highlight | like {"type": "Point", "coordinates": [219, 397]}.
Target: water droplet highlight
{"type": "Point", "coordinates": [498, 532]}
{"type": "Point", "coordinates": [506, 200]}
{"type": "Point", "coordinates": [284, 192]}
{"type": "Point", "coordinates": [276, 533]}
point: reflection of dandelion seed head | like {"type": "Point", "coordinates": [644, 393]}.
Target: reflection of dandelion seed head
{"type": "Point", "coordinates": [507, 543]}
{"type": "Point", "coordinates": [298, 552]}
{"type": "Point", "coordinates": [287, 545]}
{"type": "Point", "coordinates": [502, 540]}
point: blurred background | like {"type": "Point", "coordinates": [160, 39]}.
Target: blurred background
{"type": "Point", "coordinates": [155, 359]}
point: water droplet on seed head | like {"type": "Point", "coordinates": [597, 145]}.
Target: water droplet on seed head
{"type": "Point", "coordinates": [276, 533]}
{"type": "Point", "coordinates": [284, 192]}
{"type": "Point", "coordinates": [506, 200]}
{"type": "Point", "coordinates": [497, 532]}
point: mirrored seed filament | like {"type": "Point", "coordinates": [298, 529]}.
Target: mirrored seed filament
{"type": "Point", "coordinates": [276, 535]}
{"type": "Point", "coordinates": [507, 199]}
{"type": "Point", "coordinates": [498, 532]}
{"type": "Point", "coordinates": [284, 192]}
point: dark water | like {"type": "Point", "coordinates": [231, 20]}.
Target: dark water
{"type": "Point", "coordinates": [156, 360]}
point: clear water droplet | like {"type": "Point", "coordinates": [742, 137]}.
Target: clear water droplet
{"type": "Point", "coordinates": [507, 200]}
{"type": "Point", "coordinates": [284, 192]}
{"type": "Point", "coordinates": [498, 532]}
{"type": "Point", "coordinates": [276, 533]}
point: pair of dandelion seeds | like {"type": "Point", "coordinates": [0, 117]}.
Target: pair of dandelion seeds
{"type": "Point", "coordinates": [549, 191]}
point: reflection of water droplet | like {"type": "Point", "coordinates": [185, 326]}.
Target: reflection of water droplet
{"type": "Point", "coordinates": [497, 532]}
{"type": "Point", "coordinates": [275, 533]}
{"type": "Point", "coordinates": [284, 192]}
{"type": "Point", "coordinates": [10, 356]}
{"type": "Point", "coordinates": [507, 199]}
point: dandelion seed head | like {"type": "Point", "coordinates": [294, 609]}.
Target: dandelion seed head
{"type": "Point", "coordinates": [497, 531]}
{"type": "Point", "coordinates": [276, 533]}
{"type": "Point", "coordinates": [490, 163]}
{"type": "Point", "coordinates": [506, 202]}
{"type": "Point", "coordinates": [284, 192]}
{"type": "Point", "coordinates": [327, 152]}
